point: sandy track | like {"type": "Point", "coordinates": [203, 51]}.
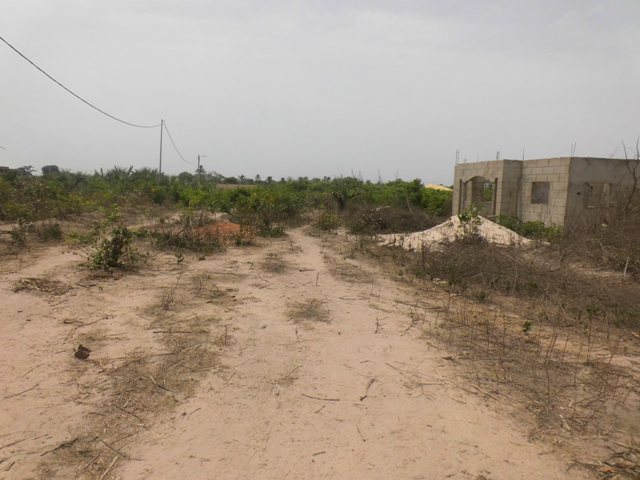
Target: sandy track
{"type": "Point", "coordinates": [360, 396]}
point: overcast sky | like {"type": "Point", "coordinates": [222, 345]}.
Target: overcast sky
{"type": "Point", "coordinates": [314, 88]}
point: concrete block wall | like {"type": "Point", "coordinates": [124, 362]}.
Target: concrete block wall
{"type": "Point", "coordinates": [507, 173]}
{"type": "Point", "coordinates": [552, 170]}
{"type": "Point", "coordinates": [595, 170]}
{"type": "Point", "coordinates": [509, 189]}
{"type": "Point", "coordinates": [567, 177]}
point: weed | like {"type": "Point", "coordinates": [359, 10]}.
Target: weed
{"type": "Point", "coordinates": [167, 298]}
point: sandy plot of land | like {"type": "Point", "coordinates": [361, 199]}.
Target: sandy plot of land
{"type": "Point", "coordinates": [289, 361]}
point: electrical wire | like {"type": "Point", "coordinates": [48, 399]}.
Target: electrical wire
{"type": "Point", "coordinates": [74, 94]}
{"type": "Point", "coordinates": [166, 129]}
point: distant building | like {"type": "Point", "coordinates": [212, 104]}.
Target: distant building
{"type": "Point", "coordinates": [4, 169]}
{"type": "Point", "coordinates": [561, 191]}
{"type": "Point", "coordinates": [433, 186]}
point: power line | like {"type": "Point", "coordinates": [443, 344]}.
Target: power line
{"type": "Point", "coordinates": [174, 144]}
{"type": "Point", "coordinates": [74, 94]}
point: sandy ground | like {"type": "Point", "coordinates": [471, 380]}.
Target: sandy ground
{"type": "Point", "coordinates": [348, 391]}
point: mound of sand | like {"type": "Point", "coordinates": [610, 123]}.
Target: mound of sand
{"type": "Point", "coordinates": [450, 231]}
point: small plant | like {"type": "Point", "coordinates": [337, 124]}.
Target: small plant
{"type": "Point", "coordinates": [19, 236]}
{"type": "Point", "coordinates": [115, 250]}
{"type": "Point", "coordinates": [470, 222]}
{"type": "Point", "coordinates": [527, 326]}
{"type": "Point", "coordinates": [167, 298]}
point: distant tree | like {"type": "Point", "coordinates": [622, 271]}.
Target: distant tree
{"type": "Point", "coordinates": [185, 177]}
{"type": "Point", "coordinates": [50, 170]}
{"type": "Point", "coordinates": [27, 170]}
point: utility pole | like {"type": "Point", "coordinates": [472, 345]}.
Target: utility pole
{"type": "Point", "coordinates": [200, 171]}
{"type": "Point", "coordinates": [160, 164]}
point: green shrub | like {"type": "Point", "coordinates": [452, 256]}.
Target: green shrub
{"type": "Point", "coordinates": [469, 223]}
{"type": "Point", "coordinates": [436, 202]}
{"type": "Point", "coordinates": [535, 230]}
{"type": "Point", "coordinates": [114, 250]}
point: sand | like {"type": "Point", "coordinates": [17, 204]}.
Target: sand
{"type": "Point", "coordinates": [451, 230]}
{"type": "Point", "coordinates": [357, 395]}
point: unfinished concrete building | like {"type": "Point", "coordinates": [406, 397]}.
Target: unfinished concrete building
{"type": "Point", "coordinates": [560, 191]}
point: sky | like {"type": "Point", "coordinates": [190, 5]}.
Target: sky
{"type": "Point", "coordinates": [379, 88]}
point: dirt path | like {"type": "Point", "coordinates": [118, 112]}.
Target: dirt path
{"type": "Point", "coordinates": [345, 389]}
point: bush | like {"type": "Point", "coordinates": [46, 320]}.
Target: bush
{"type": "Point", "coordinates": [327, 221]}
{"type": "Point", "coordinates": [373, 220]}
{"type": "Point", "coordinates": [190, 232]}
{"type": "Point", "coordinates": [269, 210]}
{"type": "Point", "coordinates": [113, 251]}
{"type": "Point", "coordinates": [48, 232]}
{"type": "Point", "coordinates": [534, 230]}
{"type": "Point", "coordinates": [436, 202]}
{"type": "Point", "coordinates": [113, 244]}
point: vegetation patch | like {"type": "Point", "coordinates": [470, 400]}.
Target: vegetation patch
{"type": "Point", "coordinates": [274, 263]}
{"type": "Point", "coordinates": [53, 287]}
{"type": "Point", "coordinates": [114, 250]}
{"type": "Point", "coordinates": [311, 310]}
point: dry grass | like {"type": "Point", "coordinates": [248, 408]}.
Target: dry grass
{"type": "Point", "coordinates": [53, 287]}
{"type": "Point", "coordinates": [274, 263]}
{"type": "Point", "coordinates": [536, 332]}
{"type": "Point", "coordinates": [554, 289]}
{"type": "Point", "coordinates": [135, 390]}
{"type": "Point", "coordinates": [345, 271]}
{"type": "Point", "coordinates": [311, 310]}
{"type": "Point", "coordinates": [203, 287]}
{"type": "Point", "coordinates": [570, 382]}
